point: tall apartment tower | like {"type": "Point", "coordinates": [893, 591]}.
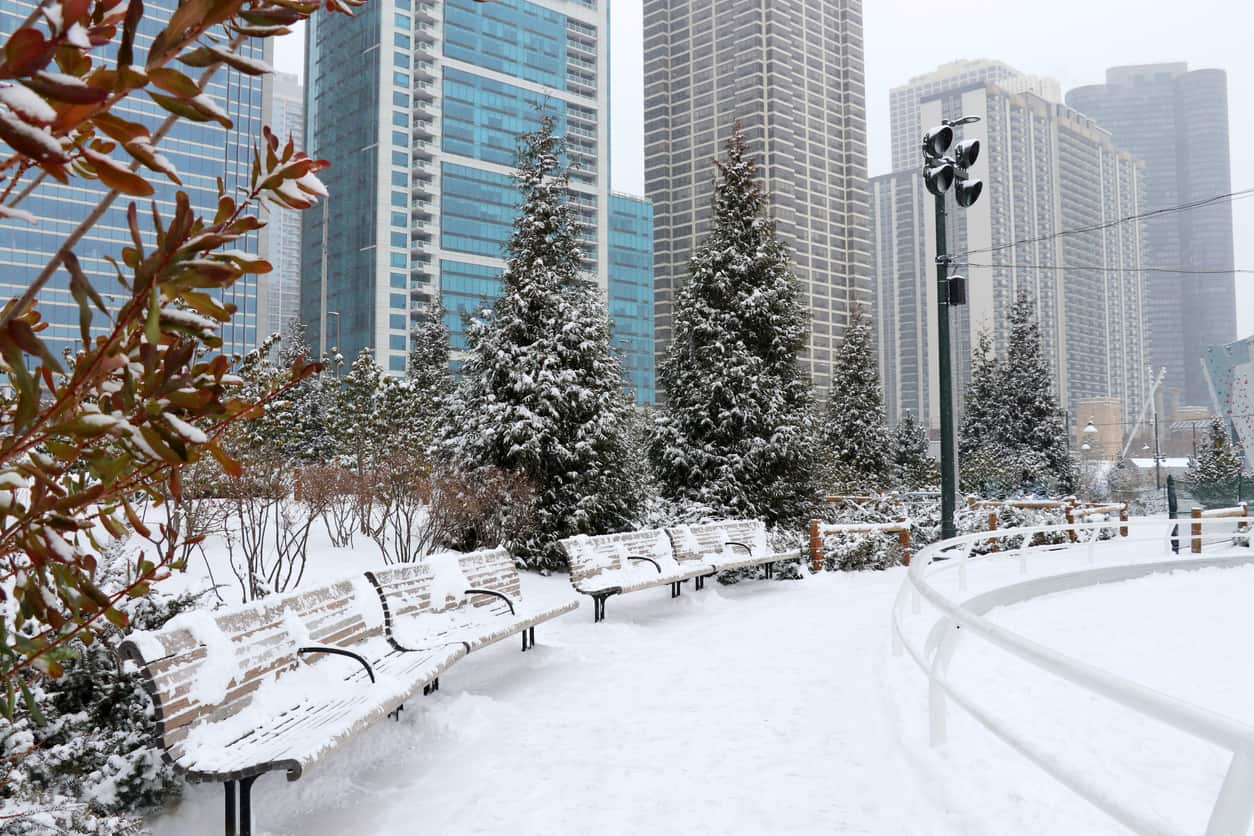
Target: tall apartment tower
{"type": "Point", "coordinates": [791, 73]}
{"type": "Point", "coordinates": [1177, 121]}
{"type": "Point", "coordinates": [201, 152]}
{"type": "Point", "coordinates": [907, 127]}
{"type": "Point", "coordinates": [418, 105]}
{"type": "Point", "coordinates": [281, 286]}
{"type": "Point", "coordinates": [900, 273]}
{"type": "Point", "coordinates": [1046, 168]}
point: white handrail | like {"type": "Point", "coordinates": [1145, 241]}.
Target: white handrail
{"type": "Point", "coordinates": [1233, 810]}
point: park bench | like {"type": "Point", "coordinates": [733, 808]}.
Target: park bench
{"type": "Point", "coordinates": [474, 598]}
{"type": "Point", "coordinates": [725, 545]}
{"type": "Point", "coordinates": [275, 685]}
{"type": "Point", "coordinates": [615, 564]}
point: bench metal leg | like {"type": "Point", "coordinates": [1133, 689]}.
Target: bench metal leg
{"type": "Point", "coordinates": [431, 687]}
{"type": "Point", "coordinates": [598, 608]}
{"type": "Point", "coordinates": [532, 631]}
{"type": "Point", "coordinates": [526, 640]}
{"type": "Point", "coordinates": [396, 715]}
{"type": "Point", "coordinates": [770, 570]}
{"type": "Point", "coordinates": [239, 822]}
{"type": "Point", "coordinates": [232, 819]}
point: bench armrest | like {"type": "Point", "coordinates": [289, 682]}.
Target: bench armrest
{"type": "Point", "coordinates": [651, 560]}
{"type": "Point", "coordinates": [748, 550]}
{"type": "Point", "coordinates": [494, 594]}
{"type": "Point", "coordinates": [339, 651]}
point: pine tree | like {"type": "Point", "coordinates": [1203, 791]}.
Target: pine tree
{"type": "Point", "coordinates": [542, 394]}
{"type": "Point", "coordinates": [1035, 424]}
{"type": "Point", "coordinates": [737, 431]}
{"type": "Point", "coordinates": [1214, 473]}
{"type": "Point", "coordinates": [428, 374]}
{"type": "Point", "coordinates": [983, 412]}
{"type": "Point", "coordinates": [913, 467]}
{"type": "Point", "coordinates": [855, 434]}
{"type": "Point", "coordinates": [356, 422]}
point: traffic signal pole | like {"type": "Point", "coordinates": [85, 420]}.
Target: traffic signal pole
{"type": "Point", "coordinates": [948, 458]}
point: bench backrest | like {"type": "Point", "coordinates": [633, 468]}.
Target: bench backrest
{"type": "Point", "coordinates": [692, 542]}
{"type": "Point", "coordinates": [438, 584]}
{"type": "Point", "coordinates": [492, 569]}
{"type": "Point", "coordinates": [205, 666]}
{"type": "Point", "coordinates": [591, 557]}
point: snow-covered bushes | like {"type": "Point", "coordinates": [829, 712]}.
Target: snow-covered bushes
{"type": "Point", "coordinates": [848, 552]}
{"type": "Point", "coordinates": [85, 760]}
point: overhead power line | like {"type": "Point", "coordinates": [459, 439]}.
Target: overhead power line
{"type": "Point", "coordinates": [1084, 230]}
{"type": "Point", "coordinates": [1099, 269]}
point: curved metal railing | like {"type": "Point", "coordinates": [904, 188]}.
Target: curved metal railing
{"type": "Point", "coordinates": [1233, 809]}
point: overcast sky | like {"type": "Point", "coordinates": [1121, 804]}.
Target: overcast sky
{"type": "Point", "coordinates": [1073, 41]}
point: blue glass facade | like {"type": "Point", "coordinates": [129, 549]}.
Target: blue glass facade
{"type": "Point", "coordinates": [477, 210]}
{"type": "Point", "coordinates": [631, 290]}
{"type": "Point", "coordinates": [342, 124]}
{"type": "Point", "coordinates": [201, 152]}
{"type": "Point", "coordinates": [513, 37]}
{"type": "Point", "coordinates": [483, 118]}
{"type": "Point", "coordinates": [465, 290]}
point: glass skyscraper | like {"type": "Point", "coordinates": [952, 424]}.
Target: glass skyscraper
{"type": "Point", "coordinates": [418, 106]}
{"type": "Point", "coordinates": [1176, 120]}
{"type": "Point", "coordinates": [631, 290]}
{"type": "Point", "coordinates": [281, 286]}
{"type": "Point", "coordinates": [201, 151]}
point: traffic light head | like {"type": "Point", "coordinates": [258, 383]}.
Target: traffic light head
{"type": "Point", "coordinates": [937, 141]}
{"type": "Point", "coordinates": [968, 192]}
{"type": "Point", "coordinates": [939, 178]}
{"type": "Point", "coordinates": [967, 152]}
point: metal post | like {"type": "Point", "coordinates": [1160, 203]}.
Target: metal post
{"type": "Point", "coordinates": [322, 301]}
{"type": "Point", "coordinates": [948, 463]}
{"type": "Point", "coordinates": [1158, 481]}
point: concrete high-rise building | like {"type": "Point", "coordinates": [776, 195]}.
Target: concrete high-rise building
{"type": "Point", "coordinates": [907, 129]}
{"type": "Point", "coordinates": [900, 272]}
{"type": "Point", "coordinates": [281, 286]}
{"type": "Point", "coordinates": [418, 104]}
{"type": "Point", "coordinates": [1177, 121]}
{"type": "Point", "coordinates": [791, 73]}
{"type": "Point", "coordinates": [201, 151]}
{"type": "Point", "coordinates": [1047, 168]}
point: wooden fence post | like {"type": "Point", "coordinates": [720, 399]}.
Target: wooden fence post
{"type": "Point", "coordinates": [816, 547]}
{"type": "Point", "coordinates": [1070, 514]}
{"type": "Point", "coordinates": [903, 538]}
{"type": "Point", "coordinates": [992, 526]}
{"type": "Point", "coordinates": [1196, 514]}
{"type": "Point", "coordinates": [1123, 518]}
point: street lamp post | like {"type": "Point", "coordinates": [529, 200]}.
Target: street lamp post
{"type": "Point", "coordinates": [940, 173]}
{"type": "Point", "coordinates": [1089, 431]}
{"type": "Point", "coordinates": [338, 349]}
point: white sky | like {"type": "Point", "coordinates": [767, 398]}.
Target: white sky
{"type": "Point", "coordinates": [1073, 41]}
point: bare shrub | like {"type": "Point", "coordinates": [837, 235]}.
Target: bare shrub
{"type": "Point", "coordinates": [336, 490]}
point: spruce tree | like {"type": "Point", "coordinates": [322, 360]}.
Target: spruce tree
{"type": "Point", "coordinates": [983, 412]}
{"type": "Point", "coordinates": [855, 434]}
{"type": "Point", "coordinates": [1035, 424]}
{"type": "Point", "coordinates": [1214, 473]}
{"type": "Point", "coordinates": [737, 430]}
{"type": "Point", "coordinates": [542, 393]}
{"type": "Point", "coordinates": [913, 468]}
{"type": "Point", "coordinates": [430, 381]}
{"type": "Point", "coordinates": [356, 423]}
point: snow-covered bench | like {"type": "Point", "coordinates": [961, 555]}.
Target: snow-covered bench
{"type": "Point", "coordinates": [475, 599]}
{"type": "Point", "coordinates": [615, 564]}
{"type": "Point", "coordinates": [276, 684]}
{"type": "Point", "coordinates": [725, 545]}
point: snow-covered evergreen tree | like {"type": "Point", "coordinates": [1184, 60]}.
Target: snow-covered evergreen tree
{"type": "Point", "coordinates": [913, 468]}
{"type": "Point", "coordinates": [542, 394]}
{"type": "Point", "coordinates": [1218, 464]}
{"type": "Point", "coordinates": [428, 372]}
{"type": "Point", "coordinates": [356, 423]}
{"type": "Point", "coordinates": [983, 412]}
{"type": "Point", "coordinates": [856, 438]}
{"type": "Point", "coordinates": [1013, 437]}
{"type": "Point", "coordinates": [1034, 420]}
{"type": "Point", "coordinates": [737, 431]}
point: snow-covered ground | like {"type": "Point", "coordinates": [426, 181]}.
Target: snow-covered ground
{"type": "Point", "coordinates": [777, 707]}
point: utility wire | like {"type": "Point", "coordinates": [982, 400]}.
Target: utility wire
{"type": "Point", "coordinates": [1096, 269]}
{"type": "Point", "coordinates": [1083, 230]}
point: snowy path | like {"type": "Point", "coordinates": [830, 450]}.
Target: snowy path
{"type": "Point", "coordinates": [758, 708]}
